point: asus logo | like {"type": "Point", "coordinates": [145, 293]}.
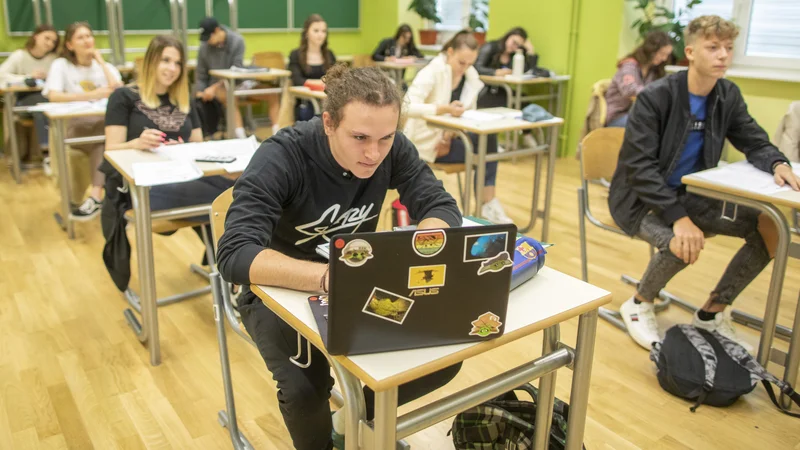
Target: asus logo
{"type": "Point", "coordinates": [424, 291]}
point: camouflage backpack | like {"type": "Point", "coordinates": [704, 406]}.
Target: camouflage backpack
{"type": "Point", "coordinates": [710, 369]}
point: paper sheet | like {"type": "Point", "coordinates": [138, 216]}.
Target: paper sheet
{"type": "Point", "coordinates": [480, 116]}
{"type": "Point", "coordinates": [71, 107]}
{"type": "Point", "coordinates": [165, 172]}
{"type": "Point", "coordinates": [242, 149]}
{"type": "Point", "coordinates": [743, 175]}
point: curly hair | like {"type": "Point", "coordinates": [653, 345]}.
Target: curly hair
{"type": "Point", "coordinates": [368, 85]}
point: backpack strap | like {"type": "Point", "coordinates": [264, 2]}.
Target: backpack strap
{"type": "Point", "coordinates": [758, 372]}
{"type": "Point", "coordinates": [709, 361]}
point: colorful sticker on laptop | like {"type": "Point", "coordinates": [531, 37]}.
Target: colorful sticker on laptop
{"type": "Point", "coordinates": [426, 276]}
{"type": "Point", "coordinates": [485, 325]}
{"type": "Point", "coordinates": [356, 253]}
{"type": "Point", "coordinates": [429, 243]}
{"type": "Point", "coordinates": [388, 306]}
{"type": "Point", "coordinates": [526, 250]}
{"type": "Point", "coordinates": [322, 299]}
{"type": "Point", "coordinates": [480, 247]}
{"type": "Point", "coordinates": [496, 264]}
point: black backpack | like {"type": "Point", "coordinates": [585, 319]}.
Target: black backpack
{"type": "Point", "coordinates": [710, 369]}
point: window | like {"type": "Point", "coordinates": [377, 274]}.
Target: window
{"type": "Point", "coordinates": [454, 14]}
{"type": "Point", "coordinates": [769, 34]}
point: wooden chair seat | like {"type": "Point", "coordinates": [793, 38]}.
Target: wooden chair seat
{"type": "Point", "coordinates": [164, 225]}
{"type": "Point", "coordinates": [448, 168]}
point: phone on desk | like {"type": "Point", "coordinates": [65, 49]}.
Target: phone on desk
{"type": "Point", "coordinates": [216, 159]}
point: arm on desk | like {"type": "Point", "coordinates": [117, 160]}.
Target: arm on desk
{"type": "Point", "coordinates": [482, 64]}
{"type": "Point", "coordinates": [749, 138]}
{"type": "Point", "coordinates": [380, 52]}
{"type": "Point", "coordinates": [298, 77]}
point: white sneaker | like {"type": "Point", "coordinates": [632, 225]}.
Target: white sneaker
{"type": "Point", "coordinates": [493, 212]}
{"type": "Point", "coordinates": [501, 149]}
{"type": "Point", "coordinates": [641, 322]}
{"type": "Point", "coordinates": [88, 210]}
{"type": "Point", "coordinates": [529, 141]}
{"type": "Point", "coordinates": [46, 166]}
{"type": "Point", "coordinates": [723, 324]}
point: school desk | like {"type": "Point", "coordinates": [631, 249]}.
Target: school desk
{"type": "Point", "coordinates": [9, 109]}
{"type": "Point", "coordinates": [396, 69]}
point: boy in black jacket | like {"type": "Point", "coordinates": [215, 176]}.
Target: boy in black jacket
{"type": "Point", "coordinates": [677, 127]}
{"type": "Point", "coordinates": [305, 184]}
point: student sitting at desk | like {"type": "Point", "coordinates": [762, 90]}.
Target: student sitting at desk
{"type": "Point", "coordinates": [311, 60]}
{"type": "Point", "coordinates": [34, 62]}
{"type": "Point", "coordinates": [400, 46]}
{"type": "Point", "coordinates": [496, 58]}
{"type": "Point", "coordinates": [635, 71]}
{"type": "Point", "coordinates": [220, 48]}
{"type": "Point", "coordinates": [305, 184]}
{"type": "Point", "coordinates": [81, 74]}
{"type": "Point", "coordinates": [678, 126]}
{"type": "Point", "coordinates": [155, 111]}
{"type": "Point", "coordinates": [450, 85]}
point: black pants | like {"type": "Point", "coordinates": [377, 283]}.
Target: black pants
{"type": "Point", "coordinates": [303, 394]}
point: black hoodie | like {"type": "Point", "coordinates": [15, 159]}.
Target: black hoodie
{"type": "Point", "coordinates": [294, 196]}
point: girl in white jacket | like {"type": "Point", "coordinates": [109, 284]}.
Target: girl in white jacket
{"type": "Point", "coordinates": [449, 84]}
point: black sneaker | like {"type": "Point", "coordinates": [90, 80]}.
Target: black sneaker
{"type": "Point", "coordinates": [88, 210]}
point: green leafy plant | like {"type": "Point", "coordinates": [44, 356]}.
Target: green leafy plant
{"type": "Point", "coordinates": [658, 18]}
{"type": "Point", "coordinates": [479, 15]}
{"type": "Point", "coordinates": [426, 9]}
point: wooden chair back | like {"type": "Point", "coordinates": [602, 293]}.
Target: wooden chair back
{"type": "Point", "coordinates": [272, 60]}
{"type": "Point", "coordinates": [363, 61]}
{"type": "Point", "coordinates": [599, 153]}
{"type": "Point", "coordinates": [219, 210]}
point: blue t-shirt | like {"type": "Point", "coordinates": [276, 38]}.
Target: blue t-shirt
{"type": "Point", "coordinates": [691, 159]}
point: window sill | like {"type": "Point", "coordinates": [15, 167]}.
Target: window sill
{"type": "Point", "coordinates": [755, 73]}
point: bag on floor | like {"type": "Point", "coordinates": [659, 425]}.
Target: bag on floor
{"type": "Point", "coordinates": [507, 423]}
{"type": "Point", "coordinates": [708, 368]}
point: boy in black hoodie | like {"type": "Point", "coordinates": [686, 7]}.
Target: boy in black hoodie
{"type": "Point", "coordinates": [319, 178]}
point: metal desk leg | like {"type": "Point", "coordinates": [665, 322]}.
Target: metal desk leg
{"type": "Point", "coordinates": [10, 100]}
{"type": "Point", "coordinates": [793, 359]}
{"type": "Point", "coordinates": [230, 107]}
{"type": "Point", "coordinates": [581, 377]}
{"type": "Point", "coordinates": [537, 175]}
{"type": "Point", "coordinates": [480, 173]}
{"type": "Point", "coordinates": [468, 169]}
{"type": "Point", "coordinates": [518, 106]}
{"type": "Point", "coordinates": [548, 189]}
{"type": "Point", "coordinates": [140, 196]}
{"type": "Point", "coordinates": [354, 404]}
{"type": "Point", "coordinates": [385, 419]}
{"type": "Point", "coordinates": [65, 217]}
{"type": "Point", "coordinates": [547, 392]}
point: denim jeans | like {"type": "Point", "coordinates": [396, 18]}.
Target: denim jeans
{"type": "Point", "coordinates": [619, 122]}
{"type": "Point", "coordinates": [706, 213]}
{"type": "Point", "coordinates": [458, 153]}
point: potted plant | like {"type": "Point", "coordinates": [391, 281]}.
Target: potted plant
{"type": "Point", "coordinates": [478, 18]}
{"type": "Point", "coordinates": [426, 9]}
{"type": "Point", "coordinates": [658, 18]}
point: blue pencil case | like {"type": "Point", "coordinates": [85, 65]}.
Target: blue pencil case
{"type": "Point", "coordinates": [529, 258]}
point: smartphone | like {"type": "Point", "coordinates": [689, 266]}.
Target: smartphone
{"type": "Point", "coordinates": [216, 159]}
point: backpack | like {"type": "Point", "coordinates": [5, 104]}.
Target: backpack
{"type": "Point", "coordinates": [507, 423]}
{"type": "Point", "coordinates": [710, 369]}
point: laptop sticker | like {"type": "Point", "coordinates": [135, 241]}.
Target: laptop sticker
{"type": "Point", "coordinates": [429, 243]}
{"type": "Point", "coordinates": [480, 247]}
{"type": "Point", "coordinates": [322, 299]}
{"type": "Point", "coordinates": [496, 264]}
{"type": "Point", "coordinates": [525, 249]}
{"type": "Point", "coordinates": [356, 253]}
{"type": "Point", "coordinates": [388, 306]}
{"type": "Point", "coordinates": [485, 325]}
{"type": "Point", "coordinates": [426, 276]}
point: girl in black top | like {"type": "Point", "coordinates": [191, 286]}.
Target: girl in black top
{"type": "Point", "coordinates": [400, 46]}
{"type": "Point", "coordinates": [157, 110]}
{"type": "Point", "coordinates": [311, 60]}
{"type": "Point", "coordinates": [496, 58]}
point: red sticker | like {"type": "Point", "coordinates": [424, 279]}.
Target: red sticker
{"type": "Point", "coordinates": [339, 243]}
{"type": "Point", "coordinates": [313, 298]}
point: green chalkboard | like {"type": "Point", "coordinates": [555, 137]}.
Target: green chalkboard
{"type": "Point", "coordinates": [19, 16]}
{"type": "Point", "coordinates": [337, 13]}
{"type": "Point", "coordinates": [254, 14]}
{"type": "Point", "coordinates": [66, 12]}
{"type": "Point", "coordinates": [144, 14]}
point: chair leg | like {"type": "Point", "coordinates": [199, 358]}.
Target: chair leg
{"type": "Point", "coordinates": [461, 192]}
{"type": "Point", "coordinates": [582, 233]}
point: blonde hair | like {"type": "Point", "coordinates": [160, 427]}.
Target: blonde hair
{"type": "Point", "coordinates": [710, 27]}
{"type": "Point", "coordinates": [179, 90]}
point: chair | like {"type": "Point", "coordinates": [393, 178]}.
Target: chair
{"type": "Point", "coordinates": [363, 61]}
{"type": "Point", "coordinates": [596, 113]}
{"type": "Point", "coordinates": [224, 310]}
{"type": "Point", "coordinates": [272, 60]}
{"type": "Point", "coordinates": [787, 139]}
{"type": "Point", "coordinates": [598, 154]}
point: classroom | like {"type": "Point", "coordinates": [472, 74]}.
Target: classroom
{"type": "Point", "coordinates": [209, 206]}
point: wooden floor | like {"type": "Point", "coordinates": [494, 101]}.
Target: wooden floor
{"type": "Point", "coordinates": [72, 375]}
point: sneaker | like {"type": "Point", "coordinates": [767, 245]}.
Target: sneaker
{"type": "Point", "coordinates": [501, 149]}
{"type": "Point", "coordinates": [723, 324]}
{"type": "Point", "coordinates": [529, 141]}
{"type": "Point", "coordinates": [641, 322]}
{"type": "Point", "coordinates": [46, 166]}
{"type": "Point", "coordinates": [88, 210]}
{"type": "Point", "coordinates": [493, 212]}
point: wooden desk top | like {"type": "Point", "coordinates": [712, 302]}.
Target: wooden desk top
{"type": "Point", "coordinates": [492, 127]}
{"type": "Point", "coordinates": [549, 298]}
{"type": "Point", "coordinates": [503, 79]}
{"type": "Point", "coordinates": [123, 161]}
{"type": "Point", "coordinates": [272, 74]}
{"type": "Point", "coordinates": [84, 112]}
{"type": "Point", "coordinates": [789, 199]}
{"type": "Point", "coordinates": [18, 88]}
{"type": "Point", "coordinates": [304, 92]}
{"type": "Point", "coordinates": [401, 65]}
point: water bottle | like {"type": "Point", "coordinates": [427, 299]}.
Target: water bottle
{"type": "Point", "coordinates": [518, 64]}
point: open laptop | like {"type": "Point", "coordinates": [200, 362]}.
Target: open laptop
{"type": "Point", "coordinates": [411, 289]}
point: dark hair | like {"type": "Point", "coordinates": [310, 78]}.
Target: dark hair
{"type": "Point", "coordinates": [368, 85]}
{"type": "Point", "coordinates": [43, 28]}
{"type": "Point", "coordinates": [70, 31]}
{"type": "Point", "coordinates": [463, 38]}
{"type": "Point", "coordinates": [653, 42]}
{"type": "Point", "coordinates": [500, 44]}
{"type": "Point", "coordinates": [401, 30]}
{"type": "Point", "coordinates": [326, 56]}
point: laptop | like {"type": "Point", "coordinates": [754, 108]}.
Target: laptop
{"type": "Point", "coordinates": [412, 289]}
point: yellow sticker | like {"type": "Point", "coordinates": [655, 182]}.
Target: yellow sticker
{"type": "Point", "coordinates": [426, 276]}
